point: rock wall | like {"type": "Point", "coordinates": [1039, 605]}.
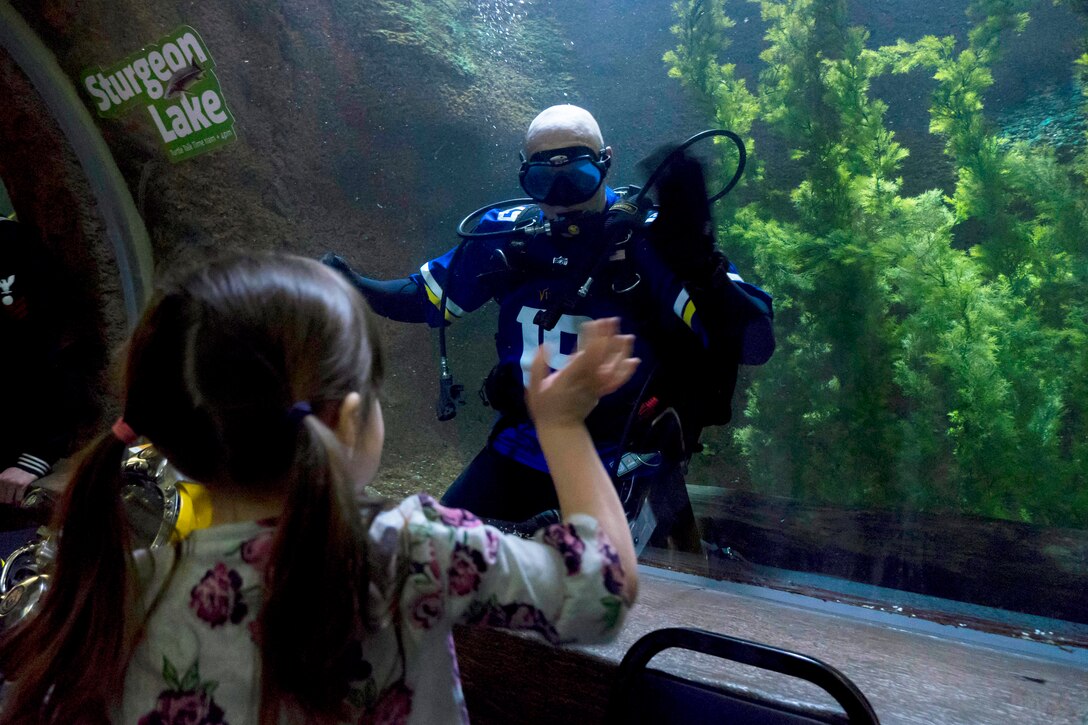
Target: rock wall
{"type": "Point", "coordinates": [47, 188]}
{"type": "Point", "coordinates": [348, 119]}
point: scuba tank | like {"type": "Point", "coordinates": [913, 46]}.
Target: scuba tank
{"type": "Point", "coordinates": [161, 507]}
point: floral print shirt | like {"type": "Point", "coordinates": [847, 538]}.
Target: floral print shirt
{"type": "Point", "coordinates": [431, 567]}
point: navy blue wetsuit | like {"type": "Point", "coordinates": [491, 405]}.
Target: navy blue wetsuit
{"type": "Point", "coordinates": [508, 480]}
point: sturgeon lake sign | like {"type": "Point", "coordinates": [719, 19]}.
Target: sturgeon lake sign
{"type": "Point", "coordinates": [174, 79]}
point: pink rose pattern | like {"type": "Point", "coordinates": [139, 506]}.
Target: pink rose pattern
{"type": "Point", "coordinates": [427, 605]}
{"type": "Point", "coordinates": [564, 539]}
{"type": "Point", "coordinates": [392, 708]}
{"type": "Point", "coordinates": [217, 598]}
{"type": "Point", "coordinates": [254, 628]}
{"type": "Point", "coordinates": [491, 546]}
{"type": "Point", "coordinates": [426, 563]}
{"type": "Point", "coordinates": [256, 551]}
{"type": "Point", "coordinates": [610, 564]}
{"type": "Point", "coordinates": [427, 610]}
{"type": "Point", "coordinates": [435, 511]}
{"type": "Point", "coordinates": [466, 565]}
{"type": "Point", "coordinates": [184, 708]}
{"type": "Point", "coordinates": [515, 615]}
{"type": "Point", "coordinates": [188, 701]}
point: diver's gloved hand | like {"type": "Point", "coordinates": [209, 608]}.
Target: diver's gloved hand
{"type": "Point", "coordinates": [683, 233]}
{"type": "Point", "coordinates": [361, 283]}
{"type": "Point", "coordinates": [621, 221]}
{"type": "Point", "coordinates": [331, 259]}
{"type": "Point", "coordinates": [398, 299]}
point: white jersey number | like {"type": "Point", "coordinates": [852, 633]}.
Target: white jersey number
{"type": "Point", "coordinates": [511, 214]}
{"type": "Point", "coordinates": [533, 336]}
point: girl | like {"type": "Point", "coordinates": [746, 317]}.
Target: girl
{"type": "Point", "coordinates": [305, 601]}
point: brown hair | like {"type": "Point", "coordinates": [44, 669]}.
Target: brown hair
{"type": "Point", "coordinates": [212, 369]}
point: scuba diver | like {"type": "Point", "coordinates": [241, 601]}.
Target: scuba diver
{"type": "Point", "coordinates": [579, 250]}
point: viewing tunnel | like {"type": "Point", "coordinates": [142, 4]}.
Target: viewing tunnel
{"type": "Point", "coordinates": [889, 517]}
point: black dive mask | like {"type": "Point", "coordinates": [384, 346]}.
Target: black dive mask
{"type": "Point", "coordinates": [566, 176]}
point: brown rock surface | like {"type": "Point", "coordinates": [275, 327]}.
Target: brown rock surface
{"type": "Point", "coordinates": [340, 146]}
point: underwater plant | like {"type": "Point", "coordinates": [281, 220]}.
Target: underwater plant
{"type": "Point", "coordinates": [933, 349]}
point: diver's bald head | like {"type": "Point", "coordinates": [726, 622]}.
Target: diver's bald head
{"type": "Point", "coordinates": [563, 126]}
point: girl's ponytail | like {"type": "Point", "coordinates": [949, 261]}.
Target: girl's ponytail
{"type": "Point", "coordinates": [216, 355]}
{"type": "Point", "coordinates": [316, 584]}
{"type": "Point", "coordinates": [66, 662]}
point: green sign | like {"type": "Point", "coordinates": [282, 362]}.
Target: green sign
{"type": "Point", "coordinates": [174, 80]}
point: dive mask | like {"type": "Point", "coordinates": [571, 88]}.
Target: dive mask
{"type": "Point", "coordinates": [566, 176]}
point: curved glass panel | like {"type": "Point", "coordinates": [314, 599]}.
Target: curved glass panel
{"type": "Point", "coordinates": [914, 202]}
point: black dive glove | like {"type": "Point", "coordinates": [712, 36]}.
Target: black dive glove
{"type": "Point", "coordinates": [683, 233]}
{"type": "Point", "coordinates": [622, 220]}
{"type": "Point", "coordinates": [398, 299]}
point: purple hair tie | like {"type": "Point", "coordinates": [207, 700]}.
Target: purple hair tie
{"type": "Point", "coordinates": [298, 411]}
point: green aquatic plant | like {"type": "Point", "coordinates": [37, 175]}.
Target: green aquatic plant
{"type": "Point", "coordinates": [1080, 7]}
{"type": "Point", "coordinates": [696, 62]}
{"type": "Point", "coordinates": [1026, 214]}
{"type": "Point", "coordinates": [933, 348]}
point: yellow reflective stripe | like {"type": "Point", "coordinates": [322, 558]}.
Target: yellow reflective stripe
{"type": "Point", "coordinates": [684, 307]}
{"type": "Point", "coordinates": [437, 301]}
{"type": "Point", "coordinates": [689, 312]}
{"type": "Point", "coordinates": [434, 292]}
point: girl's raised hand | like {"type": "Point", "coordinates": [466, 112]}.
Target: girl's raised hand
{"type": "Point", "coordinates": [601, 365]}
